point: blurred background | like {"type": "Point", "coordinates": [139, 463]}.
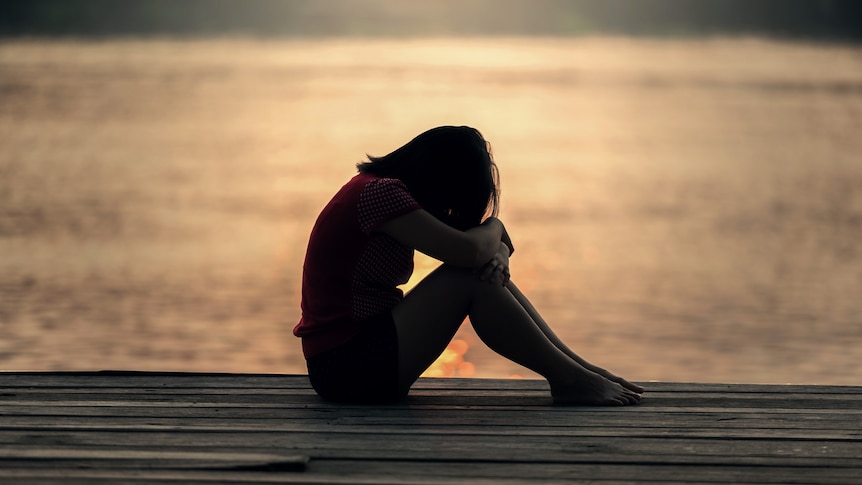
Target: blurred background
{"type": "Point", "coordinates": [682, 178]}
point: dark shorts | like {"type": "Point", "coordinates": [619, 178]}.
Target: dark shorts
{"type": "Point", "coordinates": [363, 370]}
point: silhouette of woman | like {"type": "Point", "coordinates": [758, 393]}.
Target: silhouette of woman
{"type": "Point", "coordinates": [363, 340]}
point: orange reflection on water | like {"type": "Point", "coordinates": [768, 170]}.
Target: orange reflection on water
{"type": "Point", "coordinates": [715, 243]}
{"type": "Point", "coordinates": [451, 362]}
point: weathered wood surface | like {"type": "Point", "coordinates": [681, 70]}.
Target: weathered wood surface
{"type": "Point", "coordinates": [206, 428]}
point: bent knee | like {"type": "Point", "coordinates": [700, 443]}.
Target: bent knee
{"type": "Point", "coordinates": [470, 275]}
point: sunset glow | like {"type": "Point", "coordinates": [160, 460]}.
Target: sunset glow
{"type": "Point", "coordinates": [451, 362]}
{"type": "Point", "coordinates": [686, 209]}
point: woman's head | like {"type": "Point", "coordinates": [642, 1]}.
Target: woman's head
{"type": "Point", "coordinates": [448, 170]}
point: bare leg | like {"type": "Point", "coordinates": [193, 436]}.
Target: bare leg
{"type": "Point", "coordinates": [546, 329]}
{"type": "Point", "coordinates": [429, 316]}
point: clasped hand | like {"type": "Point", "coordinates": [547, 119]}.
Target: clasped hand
{"type": "Point", "coordinates": [497, 269]}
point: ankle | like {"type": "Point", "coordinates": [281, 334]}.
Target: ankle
{"type": "Point", "coordinates": [575, 378]}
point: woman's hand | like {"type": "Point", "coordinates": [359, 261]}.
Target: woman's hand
{"type": "Point", "coordinates": [496, 270]}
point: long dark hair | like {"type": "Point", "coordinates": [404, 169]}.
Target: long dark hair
{"type": "Point", "coordinates": [450, 172]}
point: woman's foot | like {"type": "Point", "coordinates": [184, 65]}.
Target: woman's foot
{"type": "Point", "coordinates": [619, 380]}
{"type": "Point", "coordinates": [593, 390]}
{"type": "Point", "coordinates": [613, 378]}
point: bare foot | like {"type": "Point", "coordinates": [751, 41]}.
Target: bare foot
{"type": "Point", "coordinates": [593, 390]}
{"type": "Point", "coordinates": [613, 378]}
{"type": "Point", "coordinates": [619, 380]}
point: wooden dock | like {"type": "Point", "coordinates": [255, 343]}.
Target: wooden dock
{"type": "Point", "coordinates": [159, 428]}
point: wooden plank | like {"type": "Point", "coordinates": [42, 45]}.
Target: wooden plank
{"type": "Point", "coordinates": [130, 380]}
{"type": "Point", "coordinates": [158, 458]}
{"type": "Point", "coordinates": [452, 447]}
{"type": "Point", "coordinates": [278, 409]}
{"type": "Point", "coordinates": [786, 400]}
{"type": "Point", "coordinates": [222, 428]}
{"type": "Point", "coordinates": [424, 472]}
{"type": "Point", "coordinates": [762, 433]}
{"type": "Point", "coordinates": [405, 419]}
{"type": "Point", "coordinates": [568, 473]}
{"type": "Point", "coordinates": [715, 419]}
{"type": "Point", "coordinates": [651, 387]}
{"type": "Point", "coordinates": [54, 393]}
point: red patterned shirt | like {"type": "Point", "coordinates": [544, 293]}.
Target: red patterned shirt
{"type": "Point", "coordinates": [352, 272]}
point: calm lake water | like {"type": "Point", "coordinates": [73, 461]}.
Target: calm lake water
{"type": "Point", "coordinates": [683, 210]}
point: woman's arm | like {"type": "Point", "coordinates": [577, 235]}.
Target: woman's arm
{"type": "Point", "coordinates": [427, 234]}
{"type": "Point", "coordinates": [505, 239]}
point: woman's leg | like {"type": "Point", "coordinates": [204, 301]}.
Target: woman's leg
{"type": "Point", "coordinates": [430, 315]}
{"type": "Point", "coordinates": [546, 329]}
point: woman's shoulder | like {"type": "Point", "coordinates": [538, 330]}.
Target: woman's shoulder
{"type": "Point", "coordinates": [383, 187]}
{"type": "Point", "coordinates": [382, 199]}
{"type": "Point", "coordinates": [371, 184]}
{"type": "Point", "coordinates": [364, 178]}
{"type": "Point", "coordinates": [371, 191]}
{"type": "Point", "coordinates": [356, 185]}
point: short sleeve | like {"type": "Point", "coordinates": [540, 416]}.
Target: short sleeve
{"type": "Point", "coordinates": [382, 200]}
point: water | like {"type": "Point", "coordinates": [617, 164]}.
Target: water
{"type": "Point", "coordinates": [682, 210]}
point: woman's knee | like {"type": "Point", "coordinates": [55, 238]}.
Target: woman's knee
{"type": "Point", "coordinates": [454, 270]}
{"type": "Point", "coordinates": [469, 282]}
{"type": "Point", "coordinates": [458, 273]}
